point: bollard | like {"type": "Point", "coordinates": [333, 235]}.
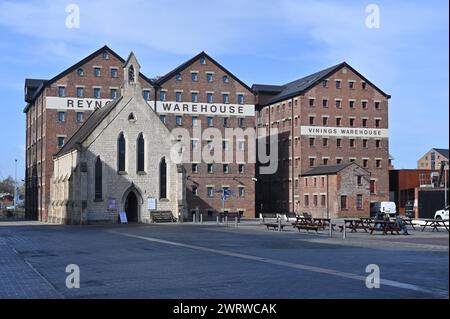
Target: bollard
{"type": "Point", "coordinates": [331, 228]}
{"type": "Point", "coordinates": [279, 224]}
{"type": "Point", "coordinates": [217, 220]}
{"type": "Point", "coordinates": [193, 218]}
{"type": "Point", "coordinates": [235, 222]}
{"type": "Point", "coordinates": [201, 218]}
{"type": "Point", "coordinates": [344, 232]}
{"type": "Point", "coordinates": [226, 221]}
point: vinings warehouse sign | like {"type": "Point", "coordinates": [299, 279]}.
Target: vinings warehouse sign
{"type": "Point", "coordinates": [83, 104]}
{"type": "Point", "coordinates": [327, 131]}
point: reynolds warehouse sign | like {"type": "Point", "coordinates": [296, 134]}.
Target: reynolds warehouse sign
{"type": "Point", "coordinates": [69, 103]}
{"type": "Point", "coordinates": [327, 131]}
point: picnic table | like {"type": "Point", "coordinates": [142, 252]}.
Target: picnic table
{"type": "Point", "coordinates": [274, 226]}
{"type": "Point", "coordinates": [324, 222]}
{"type": "Point", "coordinates": [435, 223]}
{"type": "Point", "coordinates": [385, 226]}
{"type": "Point", "coordinates": [367, 221]}
{"type": "Point", "coordinates": [409, 221]}
{"type": "Point", "coordinates": [354, 225]}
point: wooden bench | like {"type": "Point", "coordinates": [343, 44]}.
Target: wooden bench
{"type": "Point", "coordinates": [274, 226]}
{"type": "Point", "coordinates": [162, 217]}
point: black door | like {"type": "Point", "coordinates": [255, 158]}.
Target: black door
{"type": "Point", "coordinates": [131, 207]}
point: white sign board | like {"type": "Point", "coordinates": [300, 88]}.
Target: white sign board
{"type": "Point", "coordinates": [151, 203]}
{"type": "Point", "coordinates": [204, 108]}
{"type": "Point", "coordinates": [123, 218]}
{"type": "Point", "coordinates": [72, 103]}
{"type": "Point", "coordinates": [327, 131]}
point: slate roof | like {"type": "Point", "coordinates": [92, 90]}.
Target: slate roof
{"type": "Point", "coordinates": [88, 127]}
{"type": "Point", "coordinates": [442, 151]}
{"type": "Point", "coordinates": [327, 169]}
{"type": "Point", "coordinates": [183, 66]}
{"type": "Point", "coordinates": [74, 67]}
{"type": "Point", "coordinates": [302, 85]}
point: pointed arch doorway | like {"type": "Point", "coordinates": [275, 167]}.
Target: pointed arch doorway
{"type": "Point", "coordinates": [132, 208]}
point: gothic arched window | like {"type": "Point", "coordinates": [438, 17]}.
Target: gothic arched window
{"type": "Point", "coordinates": [121, 153]}
{"type": "Point", "coordinates": [140, 153]}
{"type": "Point", "coordinates": [163, 179]}
{"type": "Point", "coordinates": [98, 179]}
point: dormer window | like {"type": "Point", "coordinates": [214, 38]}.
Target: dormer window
{"type": "Point", "coordinates": [80, 72]}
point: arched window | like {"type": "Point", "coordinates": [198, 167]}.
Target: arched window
{"type": "Point", "coordinates": [131, 74]}
{"type": "Point", "coordinates": [140, 153]}
{"type": "Point", "coordinates": [163, 179]}
{"type": "Point", "coordinates": [121, 153]}
{"type": "Point", "coordinates": [98, 179]}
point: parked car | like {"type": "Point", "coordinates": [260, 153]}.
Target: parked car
{"type": "Point", "coordinates": [385, 207]}
{"type": "Point", "coordinates": [442, 214]}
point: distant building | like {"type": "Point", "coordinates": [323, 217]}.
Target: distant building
{"type": "Point", "coordinates": [433, 158]}
{"type": "Point", "coordinates": [335, 191]}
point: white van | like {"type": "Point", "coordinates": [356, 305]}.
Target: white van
{"type": "Point", "coordinates": [385, 207]}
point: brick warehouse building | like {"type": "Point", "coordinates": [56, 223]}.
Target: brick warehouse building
{"type": "Point", "coordinates": [331, 117]}
{"type": "Point", "coordinates": [58, 107]}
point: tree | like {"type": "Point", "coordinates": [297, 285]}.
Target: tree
{"type": "Point", "coordinates": [7, 185]}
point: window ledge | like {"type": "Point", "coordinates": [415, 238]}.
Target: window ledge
{"type": "Point", "coordinates": [98, 200]}
{"type": "Point", "coordinates": [122, 173]}
{"type": "Point", "coordinates": [164, 200]}
{"type": "Point", "coordinates": [141, 173]}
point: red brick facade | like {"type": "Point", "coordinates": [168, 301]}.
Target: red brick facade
{"type": "Point", "coordinates": [281, 191]}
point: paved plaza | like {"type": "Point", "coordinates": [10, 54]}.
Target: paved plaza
{"type": "Point", "coordinates": [213, 261]}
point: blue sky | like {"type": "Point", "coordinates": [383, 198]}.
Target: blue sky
{"type": "Point", "coordinates": [260, 41]}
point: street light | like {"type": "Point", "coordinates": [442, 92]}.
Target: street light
{"type": "Point", "coordinates": [15, 184]}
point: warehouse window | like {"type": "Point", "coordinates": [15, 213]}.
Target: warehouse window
{"type": "Point", "coordinates": [178, 96]}
{"type": "Point", "coordinates": [377, 143]}
{"type": "Point", "coordinates": [377, 122]}
{"type": "Point", "coordinates": [146, 95]}
{"type": "Point", "coordinates": [325, 121]}
{"type": "Point", "coordinates": [194, 97]}
{"type": "Point", "coordinates": [325, 141]}
{"type": "Point", "coordinates": [377, 105]}
{"type": "Point", "coordinates": [178, 120]}
{"type": "Point", "coordinates": [97, 72]}
{"type": "Point", "coordinates": [209, 98]}
{"type": "Point", "coordinates": [80, 117]}
{"type": "Point", "coordinates": [241, 168]}
{"type": "Point", "coordinates": [311, 120]}
{"type": "Point", "coordinates": [352, 142]}
{"type": "Point", "coordinates": [311, 162]}
{"type": "Point", "coordinates": [378, 163]}
{"type": "Point", "coordinates": [338, 142]}
{"type": "Point", "coordinates": [364, 122]}
{"type": "Point", "coordinates": [323, 200]}
{"type": "Point", "coordinates": [121, 153]}
{"type": "Point", "coordinates": [209, 77]}
{"type": "Point", "coordinates": [162, 95]}
{"type": "Point", "coordinates": [140, 153]}
{"type": "Point", "coordinates": [306, 201]}
{"type": "Point", "coordinates": [98, 179]}
{"type": "Point", "coordinates": [61, 91]}
{"type": "Point", "coordinates": [195, 168]}
{"type": "Point", "coordinates": [240, 99]}
{"type": "Point", "coordinates": [80, 92]}
{"type": "Point", "coordinates": [60, 141]}
{"type": "Point", "coordinates": [365, 143]}
{"type": "Point", "coordinates": [210, 121]}
{"type": "Point", "coordinates": [80, 72]}
{"type": "Point", "coordinates": [61, 117]}
{"type": "Point", "coordinates": [311, 141]}
{"type": "Point", "coordinates": [210, 168]}
{"type": "Point", "coordinates": [178, 77]}
{"type": "Point", "coordinates": [114, 73]}
{"type": "Point", "coordinates": [113, 93]}
{"type": "Point", "coordinates": [210, 191]}
{"type": "Point", "coordinates": [359, 201]}
{"type": "Point", "coordinates": [351, 104]}
{"type": "Point", "coordinates": [372, 186]}
{"type": "Point", "coordinates": [338, 121]}
{"type": "Point", "coordinates": [325, 83]}
{"type": "Point", "coordinates": [194, 76]}
{"type": "Point", "coordinates": [225, 79]}
{"type": "Point", "coordinates": [105, 55]}
{"type": "Point", "coordinates": [97, 93]}
{"type": "Point", "coordinates": [225, 121]}
{"type": "Point", "coordinates": [241, 191]}
{"type": "Point", "coordinates": [163, 118]}
{"type": "Point", "coordinates": [225, 98]}
{"type": "Point", "coordinates": [325, 103]}
{"type": "Point", "coordinates": [202, 60]}
{"type": "Point", "coordinates": [343, 202]}
{"type": "Point", "coordinates": [351, 122]}
{"type": "Point", "coordinates": [338, 84]}
{"type": "Point", "coordinates": [163, 178]}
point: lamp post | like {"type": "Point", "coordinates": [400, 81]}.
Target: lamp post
{"type": "Point", "coordinates": [15, 184]}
